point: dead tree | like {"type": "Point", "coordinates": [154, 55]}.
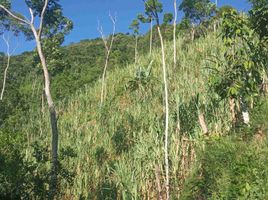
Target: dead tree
{"type": "Point", "coordinates": [9, 54]}
{"type": "Point", "coordinates": [108, 47]}
{"type": "Point", "coordinates": [153, 8]}
{"type": "Point", "coordinates": [165, 79]}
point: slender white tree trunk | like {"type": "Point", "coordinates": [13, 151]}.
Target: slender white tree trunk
{"type": "Point", "coordinates": [232, 109]}
{"type": "Point", "coordinates": [174, 33]}
{"type": "Point", "coordinates": [202, 122]}
{"type": "Point", "coordinates": [103, 82]}
{"type": "Point", "coordinates": [5, 77]}
{"type": "Point", "coordinates": [9, 54]}
{"type": "Point", "coordinates": [53, 116]}
{"type": "Point", "coordinates": [108, 48]}
{"type": "Point", "coordinates": [52, 110]}
{"type": "Point", "coordinates": [136, 49]}
{"type": "Point", "coordinates": [151, 37]}
{"type": "Point", "coordinates": [193, 32]}
{"type": "Point", "coordinates": [166, 111]}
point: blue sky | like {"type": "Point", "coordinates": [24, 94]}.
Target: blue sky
{"type": "Point", "coordinates": [85, 15]}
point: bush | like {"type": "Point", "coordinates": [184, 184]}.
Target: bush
{"type": "Point", "coordinates": [233, 168]}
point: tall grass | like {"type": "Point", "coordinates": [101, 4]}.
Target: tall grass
{"type": "Point", "coordinates": [119, 146]}
{"type": "Point", "coordinates": [233, 166]}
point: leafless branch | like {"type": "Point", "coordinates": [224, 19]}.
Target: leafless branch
{"type": "Point", "coordinates": [32, 15]}
{"type": "Point", "coordinates": [9, 54]}
{"type": "Point", "coordinates": [14, 16]}
{"type": "Point", "coordinates": [108, 48]}
{"type": "Point", "coordinates": [42, 18]}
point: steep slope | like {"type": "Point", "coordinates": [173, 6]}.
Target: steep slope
{"type": "Point", "coordinates": [119, 147]}
{"type": "Point", "coordinates": [115, 151]}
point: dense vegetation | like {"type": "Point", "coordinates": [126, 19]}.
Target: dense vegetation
{"type": "Point", "coordinates": [115, 150]}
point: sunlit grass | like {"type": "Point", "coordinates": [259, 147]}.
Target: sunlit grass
{"type": "Point", "coordinates": [119, 146]}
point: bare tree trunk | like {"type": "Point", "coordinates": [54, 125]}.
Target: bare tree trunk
{"type": "Point", "coordinates": [232, 109]}
{"type": "Point", "coordinates": [216, 21]}
{"type": "Point", "coordinates": [264, 85]}
{"type": "Point", "coordinates": [108, 48]}
{"type": "Point", "coordinates": [166, 110]}
{"type": "Point", "coordinates": [202, 122]}
{"type": "Point", "coordinates": [53, 118]}
{"type": "Point", "coordinates": [5, 77]}
{"type": "Point", "coordinates": [37, 32]}
{"type": "Point", "coordinates": [193, 33]}
{"type": "Point", "coordinates": [151, 37]}
{"type": "Point", "coordinates": [6, 40]}
{"type": "Point", "coordinates": [103, 83]}
{"type": "Point", "coordinates": [42, 103]}
{"type": "Point", "coordinates": [174, 33]}
{"type": "Point", "coordinates": [136, 49]}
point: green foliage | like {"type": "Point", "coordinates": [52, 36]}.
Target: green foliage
{"type": "Point", "coordinates": [152, 9]}
{"type": "Point", "coordinates": [54, 21]}
{"type": "Point", "coordinates": [141, 80]}
{"type": "Point", "coordinates": [168, 17]}
{"type": "Point", "coordinates": [230, 170]}
{"type": "Point", "coordinates": [121, 140]}
{"type": "Point", "coordinates": [112, 152]}
{"type": "Point", "coordinates": [242, 74]}
{"type": "Point", "coordinates": [233, 167]}
{"type": "Point", "coordinates": [20, 178]}
{"type": "Point", "coordinates": [197, 11]}
{"type": "Point", "coordinates": [224, 9]}
{"type": "Point", "coordinates": [135, 26]}
{"type": "Point", "coordinates": [143, 19]}
{"type": "Point", "coordinates": [119, 145]}
{"type": "Point", "coordinates": [258, 16]}
{"type": "Point", "coordinates": [259, 117]}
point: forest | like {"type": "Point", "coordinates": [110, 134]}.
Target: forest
{"type": "Point", "coordinates": [178, 112]}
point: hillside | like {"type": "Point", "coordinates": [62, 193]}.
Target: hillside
{"type": "Point", "coordinates": [187, 120]}
{"type": "Point", "coordinates": [115, 151]}
{"type": "Point", "coordinates": [79, 64]}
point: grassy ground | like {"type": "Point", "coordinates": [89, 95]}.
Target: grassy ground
{"type": "Point", "coordinates": [233, 166]}
{"type": "Point", "coordinates": [116, 151]}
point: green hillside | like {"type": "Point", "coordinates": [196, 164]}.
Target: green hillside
{"type": "Point", "coordinates": [217, 113]}
{"type": "Point", "coordinates": [116, 151]}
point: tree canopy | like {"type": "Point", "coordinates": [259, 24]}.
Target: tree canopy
{"type": "Point", "coordinates": [53, 22]}
{"type": "Point", "coordinates": [197, 10]}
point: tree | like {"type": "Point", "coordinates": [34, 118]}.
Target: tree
{"type": "Point", "coordinates": [154, 8]}
{"type": "Point", "coordinates": [168, 17]}
{"type": "Point", "coordinates": [135, 26]}
{"type": "Point", "coordinates": [197, 11]}
{"type": "Point", "coordinates": [241, 77]}
{"type": "Point", "coordinates": [149, 19]}
{"type": "Point", "coordinates": [259, 23]}
{"type": "Point", "coordinates": [108, 48]}
{"type": "Point", "coordinates": [51, 22]}
{"type": "Point", "coordinates": [224, 9]}
{"type": "Point", "coordinates": [259, 16]}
